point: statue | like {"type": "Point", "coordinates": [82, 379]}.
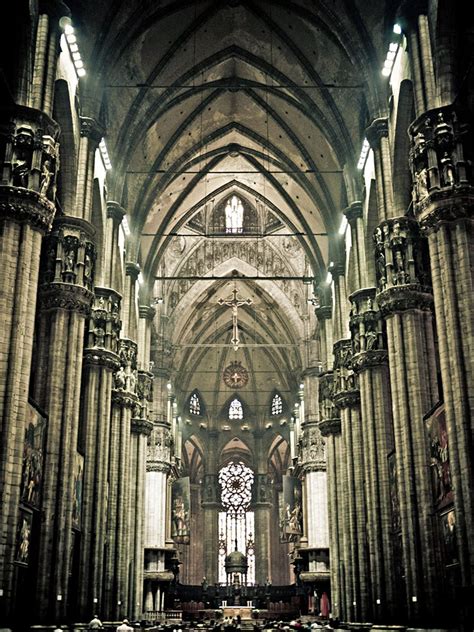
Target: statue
{"type": "Point", "coordinates": [46, 176]}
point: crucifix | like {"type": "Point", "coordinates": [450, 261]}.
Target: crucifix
{"type": "Point", "coordinates": [234, 303]}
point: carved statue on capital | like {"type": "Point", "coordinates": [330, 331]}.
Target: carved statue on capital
{"type": "Point", "coordinates": [367, 330]}
{"type": "Point", "coordinates": [346, 383]}
{"type": "Point", "coordinates": [159, 445]}
{"type": "Point", "coordinates": [29, 151]}
{"type": "Point", "coordinates": [145, 392]}
{"type": "Point", "coordinates": [400, 254]}
{"type": "Point", "coordinates": [312, 448]}
{"type": "Point", "coordinates": [441, 164]}
{"type": "Point", "coordinates": [126, 377]}
{"type": "Point", "coordinates": [326, 394]}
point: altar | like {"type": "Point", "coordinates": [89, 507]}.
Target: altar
{"type": "Point", "coordinates": [245, 612]}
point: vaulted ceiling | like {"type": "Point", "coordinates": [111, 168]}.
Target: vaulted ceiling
{"type": "Point", "coordinates": [265, 99]}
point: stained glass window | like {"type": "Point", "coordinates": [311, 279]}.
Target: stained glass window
{"type": "Point", "coordinates": [236, 524]}
{"type": "Point", "coordinates": [235, 409]}
{"type": "Point", "coordinates": [236, 480]}
{"type": "Point", "coordinates": [277, 405]}
{"type": "Point", "coordinates": [194, 404]}
{"type": "Point", "coordinates": [234, 215]}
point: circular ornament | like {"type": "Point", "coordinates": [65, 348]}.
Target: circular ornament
{"type": "Point", "coordinates": [235, 375]}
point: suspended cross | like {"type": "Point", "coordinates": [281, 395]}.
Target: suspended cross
{"type": "Point", "coordinates": [234, 303]}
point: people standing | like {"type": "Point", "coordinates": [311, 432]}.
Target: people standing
{"type": "Point", "coordinates": [95, 623]}
{"type": "Point", "coordinates": [124, 627]}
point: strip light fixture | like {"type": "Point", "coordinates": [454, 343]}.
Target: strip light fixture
{"type": "Point", "coordinates": [363, 154]}
{"type": "Point", "coordinates": [391, 53]}
{"type": "Point", "coordinates": [105, 155]}
{"type": "Point", "coordinates": [71, 40]}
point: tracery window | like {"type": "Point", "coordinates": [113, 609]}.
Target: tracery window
{"type": "Point", "coordinates": [234, 215]}
{"type": "Point", "coordinates": [236, 410]}
{"type": "Point", "coordinates": [194, 404]}
{"type": "Point", "coordinates": [236, 524]}
{"type": "Point", "coordinates": [277, 405]}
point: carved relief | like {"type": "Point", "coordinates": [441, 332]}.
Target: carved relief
{"type": "Point", "coordinates": [159, 447]}
{"type": "Point", "coordinates": [312, 448]}
{"type": "Point", "coordinates": [101, 345]}
{"type": "Point", "coordinates": [29, 157]}
{"type": "Point", "coordinates": [125, 378]}
{"type": "Point", "coordinates": [326, 394]}
{"type": "Point", "coordinates": [399, 254]}
{"type": "Point", "coordinates": [440, 160]}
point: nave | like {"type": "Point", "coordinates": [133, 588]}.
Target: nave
{"type": "Point", "coordinates": [236, 300]}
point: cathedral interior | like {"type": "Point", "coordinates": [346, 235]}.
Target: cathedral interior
{"type": "Point", "coordinates": [237, 301]}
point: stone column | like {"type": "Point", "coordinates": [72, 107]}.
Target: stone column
{"type": "Point", "coordinates": [210, 507]}
{"type": "Point", "coordinates": [312, 457]}
{"type": "Point", "coordinates": [124, 402]}
{"type": "Point", "coordinates": [370, 363]}
{"type": "Point", "coordinates": [101, 360]}
{"type": "Point", "coordinates": [262, 505]}
{"type": "Point", "coordinates": [65, 299]}
{"type": "Point", "coordinates": [46, 49]}
{"type": "Point", "coordinates": [443, 197]}
{"type": "Point", "coordinates": [27, 190]}
{"type": "Point", "coordinates": [158, 468]}
{"type": "Point", "coordinates": [347, 399]}
{"type": "Point", "coordinates": [141, 429]}
{"type": "Point", "coordinates": [330, 427]}
{"type": "Point", "coordinates": [405, 302]}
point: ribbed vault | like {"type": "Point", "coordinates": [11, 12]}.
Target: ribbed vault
{"type": "Point", "coordinates": [264, 100]}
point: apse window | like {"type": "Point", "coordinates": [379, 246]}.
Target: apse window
{"type": "Point", "coordinates": [236, 523]}
{"type": "Point", "coordinates": [277, 405]}
{"type": "Point", "coordinates": [234, 215]}
{"type": "Point", "coordinates": [236, 410]}
{"type": "Point", "coordinates": [194, 404]}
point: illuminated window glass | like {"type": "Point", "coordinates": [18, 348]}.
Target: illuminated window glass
{"type": "Point", "coordinates": [194, 404]}
{"type": "Point", "coordinates": [236, 480]}
{"type": "Point", "coordinates": [236, 524]}
{"type": "Point", "coordinates": [235, 410]}
{"type": "Point", "coordinates": [234, 215]}
{"type": "Point", "coordinates": [277, 405]}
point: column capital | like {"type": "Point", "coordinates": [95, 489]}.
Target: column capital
{"type": "Point", "coordinates": [337, 269]}
{"type": "Point", "coordinates": [115, 211]}
{"type": "Point", "coordinates": [366, 329]}
{"type": "Point", "coordinates": [369, 360]}
{"type": "Point", "coordinates": [323, 313]}
{"type": "Point", "coordinates": [312, 448]}
{"type": "Point", "coordinates": [312, 371]}
{"type": "Point", "coordinates": [401, 299]}
{"type": "Point", "coordinates": [132, 270]}
{"type": "Point", "coordinates": [330, 426]}
{"type": "Point", "coordinates": [443, 185]}
{"type": "Point", "coordinates": [158, 466]}
{"type": "Point", "coordinates": [105, 323]}
{"type": "Point", "coordinates": [377, 130]}
{"type": "Point", "coordinates": [400, 254]}
{"type": "Point", "coordinates": [141, 426]}
{"type": "Point", "coordinates": [124, 399]}
{"type": "Point", "coordinates": [92, 129]}
{"type": "Point", "coordinates": [101, 358]}
{"type": "Point", "coordinates": [29, 207]}
{"type": "Point", "coordinates": [29, 153]}
{"type": "Point", "coordinates": [353, 212]}
{"type": "Point", "coordinates": [146, 311]}
{"type": "Point", "coordinates": [347, 399]}
{"type": "Point", "coordinates": [67, 296]}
